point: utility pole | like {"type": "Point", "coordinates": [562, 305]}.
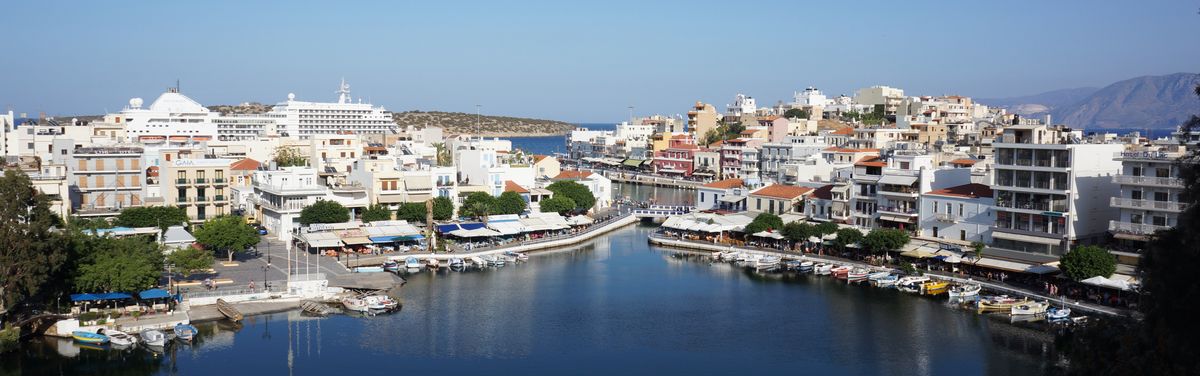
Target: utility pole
{"type": "Point", "coordinates": [477, 122]}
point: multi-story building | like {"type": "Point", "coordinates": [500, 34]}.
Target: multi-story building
{"type": "Point", "coordinates": [889, 98]}
{"type": "Point", "coordinates": [305, 119]}
{"type": "Point", "coordinates": [778, 199]}
{"type": "Point", "coordinates": [701, 119]}
{"type": "Point", "coordinates": [200, 186]}
{"type": "Point", "coordinates": [1150, 195]}
{"type": "Point", "coordinates": [600, 186]}
{"type": "Point", "coordinates": [545, 166]}
{"type": "Point", "coordinates": [960, 213]}
{"type": "Point", "coordinates": [106, 179]}
{"type": "Point", "coordinates": [706, 162]}
{"type": "Point", "coordinates": [774, 156]}
{"type": "Point", "coordinates": [726, 195]}
{"type": "Point", "coordinates": [678, 159]}
{"type": "Point", "coordinates": [175, 118]}
{"type": "Point", "coordinates": [1051, 191]}
{"type": "Point", "coordinates": [885, 192]}
{"type": "Point", "coordinates": [48, 178]}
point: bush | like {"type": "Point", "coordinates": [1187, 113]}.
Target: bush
{"type": "Point", "coordinates": [324, 211]}
{"type": "Point", "coordinates": [1088, 261]}
{"type": "Point", "coordinates": [764, 221]}
{"type": "Point", "coordinates": [9, 339]}
{"type": "Point", "coordinates": [584, 200]}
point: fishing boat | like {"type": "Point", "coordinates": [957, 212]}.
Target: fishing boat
{"type": "Point", "coordinates": [1029, 308]}
{"type": "Point", "coordinates": [185, 332]}
{"type": "Point", "coordinates": [857, 275]}
{"type": "Point", "coordinates": [228, 310]}
{"type": "Point", "coordinates": [118, 338]}
{"type": "Point", "coordinates": [823, 269]}
{"type": "Point", "coordinates": [964, 290]}
{"type": "Point", "coordinates": [792, 265]}
{"type": "Point", "coordinates": [412, 263]}
{"type": "Point", "coordinates": [935, 287]}
{"type": "Point", "coordinates": [499, 261]}
{"type": "Point", "coordinates": [878, 275]}
{"type": "Point", "coordinates": [355, 304]}
{"type": "Point", "coordinates": [456, 263]}
{"type": "Point", "coordinates": [887, 281]}
{"type": "Point", "coordinates": [1058, 313]}
{"type": "Point", "coordinates": [912, 281]}
{"type": "Point", "coordinates": [379, 302]}
{"type": "Point", "coordinates": [391, 265]}
{"type": "Point", "coordinates": [89, 337]}
{"type": "Point", "coordinates": [153, 338]}
{"type": "Point", "coordinates": [433, 263]}
{"type": "Point", "coordinates": [767, 262]}
{"type": "Point", "coordinates": [477, 261]}
{"type": "Point", "coordinates": [369, 269]}
{"type": "Point", "coordinates": [728, 256]}
{"type": "Point", "coordinates": [840, 272]}
{"type": "Point", "coordinates": [1002, 303]}
{"type": "Point", "coordinates": [806, 266]}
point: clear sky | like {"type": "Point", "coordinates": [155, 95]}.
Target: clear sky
{"type": "Point", "coordinates": [574, 60]}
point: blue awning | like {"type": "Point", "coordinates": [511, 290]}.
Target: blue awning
{"type": "Point", "coordinates": [103, 296]}
{"type": "Point", "coordinates": [154, 294]}
{"type": "Point", "coordinates": [385, 239]}
{"type": "Point", "coordinates": [457, 226]}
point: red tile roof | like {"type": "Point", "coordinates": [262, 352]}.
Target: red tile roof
{"type": "Point", "coordinates": [964, 162]}
{"type": "Point", "coordinates": [871, 161]}
{"type": "Point", "coordinates": [843, 131]}
{"type": "Point", "coordinates": [725, 184]}
{"type": "Point", "coordinates": [573, 175]}
{"type": "Point", "coordinates": [245, 164]}
{"type": "Point", "coordinates": [510, 186]}
{"type": "Point", "coordinates": [781, 191]}
{"type": "Point", "coordinates": [539, 158]}
{"type": "Point", "coordinates": [973, 190]}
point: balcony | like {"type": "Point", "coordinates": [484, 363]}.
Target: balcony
{"type": "Point", "coordinates": [1033, 205]}
{"type": "Point", "coordinates": [181, 181]}
{"type": "Point", "coordinates": [899, 191]}
{"type": "Point", "coordinates": [898, 210]}
{"type": "Point", "coordinates": [219, 181]}
{"type": "Point", "coordinates": [182, 201]}
{"type": "Point", "coordinates": [1135, 228]}
{"type": "Point", "coordinates": [1148, 181]}
{"type": "Point", "coordinates": [201, 199]}
{"type": "Point", "coordinates": [201, 181]}
{"type": "Point", "coordinates": [946, 217]}
{"type": "Point", "coordinates": [1128, 203]}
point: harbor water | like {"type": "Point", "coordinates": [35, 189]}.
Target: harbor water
{"type": "Point", "coordinates": [613, 305]}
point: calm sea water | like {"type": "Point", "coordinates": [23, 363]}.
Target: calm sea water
{"type": "Point", "coordinates": [553, 144]}
{"type": "Point", "coordinates": [614, 305]}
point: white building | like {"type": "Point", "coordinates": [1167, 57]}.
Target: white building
{"type": "Point", "coordinates": [1150, 195]}
{"type": "Point", "coordinates": [175, 118]}
{"type": "Point", "coordinates": [282, 194]}
{"type": "Point", "coordinates": [742, 105]}
{"type": "Point", "coordinates": [728, 194]}
{"type": "Point", "coordinates": [600, 185]}
{"type": "Point", "coordinates": [304, 119]}
{"type": "Point", "coordinates": [960, 214]}
{"type": "Point", "coordinates": [810, 97]}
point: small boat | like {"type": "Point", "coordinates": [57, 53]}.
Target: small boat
{"type": "Point", "coordinates": [511, 256]}
{"type": "Point", "coordinates": [432, 263]}
{"type": "Point", "coordinates": [379, 302]}
{"type": "Point", "coordinates": [806, 266]}
{"type": "Point", "coordinates": [185, 332]}
{"type": "Point", "coordinates": [997, 303]}
{"type": "Point", "coordinates": [935, 287]}
{"type": "Point", "coordinates": [1029, 308]}
{"type": "Point", "coordinates": [857, 275]}
{"type": "Point", "coordinates": [878, 275]}
{"type": "Point", "coordinates": [840, 272]}
{"type": "Point", "coordinates": [792, 265]}
{"type": "Point", "coordinates": [457, 263]}
{"type": "Point", "coordinates": [887, 281]}
{"type": "Point", "coordinates": [153, 338]}
{"type": "Point", "coordinates": [477, 261]}
{"type": "Point", "coordinates": [412, 263]}
{"type": "Point", "coordinates": [369, 269]}
{"type": "Point", "coordinates": [729, 256]}
{"type": "Point", "coordinates": [767, 261]}
{"type": "Point", "coordinates": [89, 337]}
{"type": "Point", "coordinates": [316, 308]}
{"type": "Point", "coordinates": [228, 310]}
{"type": "Point", "coordinates": [912, 281]}
{"type": "Point", "coordinates": [964, 290]}
{"type": "Point", "coordinates": [118, 338]}
{"type": "Point", "coordinates": [497, 260]}
{"type": "Point", "coordinates": [715, 255]}
{"type": "Point", "coordinates": [511, 259]}
{"type": "Point", "coordinates": [522, 256]}
{"type": "Point", "coordinates": [1058, 313]}
{"type": "Point", "coordinates": [355, 304]}
{"type": "Point", "coordinates": [391, 266]}
{"type": "Point", "coordinates": [823, 269]}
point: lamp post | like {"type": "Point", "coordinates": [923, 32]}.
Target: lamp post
{"type": "Point", "coordinates": [264, 270]}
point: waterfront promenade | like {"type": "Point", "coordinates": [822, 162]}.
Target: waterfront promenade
{"type": "Point", "coordinates": [1078, 306]}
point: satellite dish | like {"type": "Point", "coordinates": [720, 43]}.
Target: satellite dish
{"type": "Point", "coordinates": [135, 102]}
{"type": "Point", "coordinates": [291, 96]}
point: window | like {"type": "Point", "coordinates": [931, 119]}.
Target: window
{"type": "Point", "coordinates": [1137, 171]}
{"type": "Point", "coordinates": [701, 196]}
{"type": "Point", "coordinates": [1162, 196]}
{"type": "Point", "coordinates": [1160, 220]}
{"type": "Point", "coordinates": [935, 231]}
{"type": "Point", "coordinates": [962, 234]}
{"type": "Point", "coordinates": [1162, 172]}
{"type": "Point", "coordinates": [1136, 195]}
{"type": "Point", "coordinates": [960, 210]}
{"type": "Point", "coordinates": [1135, 218]}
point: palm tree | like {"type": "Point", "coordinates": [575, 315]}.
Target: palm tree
{"type": "Point", "coordinates": [479, 210]}
{"type": "Point", "coordinates": [443, 154]}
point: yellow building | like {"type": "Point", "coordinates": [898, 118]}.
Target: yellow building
{"type": "Point", "coordinates": [201, 186]}
{"type": "Point", "coordinates": [702, 118]}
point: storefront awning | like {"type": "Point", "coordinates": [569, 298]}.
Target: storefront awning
{"type": "Point", "coordinates": [896, 218]}
{"type": "Point", "coordinates": [898, 180]}
{"type": "Point", "coordinates": [1026, 238]}
{"type": "Point", "coordinates": [354, 240]}
{"type": "Point", "coordinates": [631, 162]}
{"type": "Point", "coordinates": [321, 239]}
{"type": "Point", "coordinates": [732, 199]}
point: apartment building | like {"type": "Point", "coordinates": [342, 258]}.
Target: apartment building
{"type": "Point", "coordinates": [1051, 191]}
{"type": "Point", "coordinates": [200, 186]}
{"type": "Point", "coordinates": [701, 119]}
{"type": "Point", "coordinates": [958, 214]}
{"type": "Point", "coordinates": [106, 179]}
{"type": "Point", "coordinates": [678, 158]}
{"type": "Point", "coordinates": [727, 195]}
{"type": "Point", "coordinates": [1149, 199]}
{"type": "Point", "coordinates": [778, 199]}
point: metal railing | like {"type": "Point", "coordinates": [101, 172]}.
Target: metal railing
{"type": "Point", "coordinates": [1148, 180]}
{"type": "Point", "coordinates": [1147, 204]}
{"type": "Point", "coordinates": [1135, 228]}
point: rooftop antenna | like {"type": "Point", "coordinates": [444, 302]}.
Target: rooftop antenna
{"type": "Point", "coordinates": [176, 85]}
{"type": "Point", "coordinates": [343, 92]}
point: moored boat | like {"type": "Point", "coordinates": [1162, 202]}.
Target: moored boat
{"type": "Point", "coordinates": [806, 266]}
{"type": "Point", "coordinates": [964, 290]}
{"type": "Point", "coordinates": [118, 338]}
{"type": "Point", "coordinates": [887, 281]}
{"type": "Point", "coordinates": [878, 275]}
{"type": "Point", "coordinates": [412, 263]}
{"type": "Point", "coordinates": [767, 261]}
{"type": "Point", "coordinates": [1058, 313]}
{"type": "Point", "coordinates": [379, 302]}
{"type": "Point", "coordinates": [823, 269]}
{"type": "Point", "coordinates": [89, 337]}
{"type": "Point", "coordinates": [477, 261]}
{"type": "Point", "coordinates": [433, 263]}
{"type": "Point", "coordinates": [997, 303]}
{"type": "Point", "coordinates": [857, 275]}
{"type": "Point", "coordinates": [728, 256]}
{"type": "Point", "coordinates": [911, 282]}
{"type": "Point", "coordinates": [456, 262]}
{"type": "Point", "coordinates": [1029, 308]}
{"type": "Point", "coordinates": [935, 287]}
{"type": "Point", "coordinates": [792, 265]}
{"type": "Point", "coordinates": [355, 304]}
{"type": "Point", "coordinates": [185, 332]}
{"type": "Point", "coordinates": [153, 338]}
{"type": "Point", "coordinates": [391, 265]}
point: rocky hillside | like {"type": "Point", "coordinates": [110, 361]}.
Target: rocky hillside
{"type": "Point", "coordinates": [244, 108]}
{"type": "Point", "coordinates": [463, 123]}
{"type": "Point", "coordinates": [1142, 102]}
{"type": "Point", "coordinates": [1040, 103]}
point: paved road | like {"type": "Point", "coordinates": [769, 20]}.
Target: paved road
{"type": "Point", "coordinates": [273, 257]}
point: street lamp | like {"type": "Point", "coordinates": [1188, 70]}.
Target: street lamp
{"type": "Point", "coordinates": [264, 270]}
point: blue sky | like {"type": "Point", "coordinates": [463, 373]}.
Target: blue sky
{"type": "Point", "coordinates": [575, 61]}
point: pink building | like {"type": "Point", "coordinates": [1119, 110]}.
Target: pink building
{"type": "Point", "coordinates": [678, 157]}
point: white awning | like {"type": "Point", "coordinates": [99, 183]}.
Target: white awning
{"type": "Point", "coordinates": [417, 183]}
{"type": "Point", "coordinates": [580, 220]}
{"type": "Point", "coordinates": [1014, 266]}
{"type": "Point", "coordinates": [898, 180]}
{"type": "Point", "coordinates": [476, 233]}
{"type": "Point", "coordinates": [507, 227]}
{"type": "Point", "coordinates": [732, 199]}
{"type": "Point", "coordinates": [321, 239]}
{"type": "Point", "coordinates": [895, 218]}
{"type": "Point", "coordinates": [1026, 238]}
{"type": "Point", "coordinates": [768, 234]}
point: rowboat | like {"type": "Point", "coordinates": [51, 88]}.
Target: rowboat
{"type": "Point", "coordinates": [964, 290]}
{"type": "Point", "coordinates": [1002, 303]}
{"type": "Point", "coordinates": [153, 338]}
{"type": "Point", "coordinates": [228, 310]}
{"type": "Point", "coordinates": [119, 338]}
{"type": "Point", "coordinates": [857, 275]}
{"type": "Point", "coordinates": [477, 261]}
{"type": "Point", "coordinates": [412, 263]}
{"type": "Point", "coordinates": [355, 304]}
{"type": "Point", "coordinates": [185, 332]}
{"type": "Point", "coordinates": [840, 272]}
{"type": "Point", "coordinates": [432, 263]}
{"type": "Point", "coordinates": [89, 337]}
{"type": "Point", "coordinates": [935, 287]}
{"type": "Point", "coordinates": [1029, 308]}
{"type": "Point", "coordinates": [878, 275]}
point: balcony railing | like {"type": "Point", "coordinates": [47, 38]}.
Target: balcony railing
{"type": "Point", "coordinates": [1135, 228]}
{"type": "Point", "coordinates": [1148, 204]}
{"type": "Point", "coordinates": [1032, 205]}
{"type": "Point", "coordinates": [181, 181]}
{"type": "Point", "coordinates": [219, 198]}
{"type": "Point", "coordinates": [946, 217]}
{"type": "Point", "coordinates": [201, 181]}
{"type": "Point", "coordinates": [898, 210]}
{"type": "Point", "coordinates": [1148, 180]}
{"type": "Point", "coordinates": [201, 199]}
{"type": "Point", "coordinates": [219, 181]}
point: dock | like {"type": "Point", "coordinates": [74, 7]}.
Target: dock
{"type": "Point", "coordinates": [650, 180]}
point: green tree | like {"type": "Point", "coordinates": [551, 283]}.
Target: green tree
{"type": "Point", "coordinates": [977, 249]}
{"type": "Point", "coordinates": [763, 222]}
{"type": "Point", "coordinates": [478, 205]}
{"type": "Point", "coordinates": [443, 208]}
{"type": "Point", "coordinates": [444, 158]}
{"type": "Point", "coordinates": [227, 233]}
{"type": "Point", "coordinates": [188, 261]}
{"type": "Point", "coordinates": [376, 212]}
{"type": "Point", "coordinates": [733, 130]}
{"type": "Point", "coordinates": [286, 156]}
{"type": "Point", "coordinates": [1088, 261]}
{"type": "Point", "coordinates": [510, 203]}
{"type": "Point", "coordinates": [560, 205]}
{"type": "Point", "coordinates": [118, 264]}
{"type": "Point", "coordinates": [846, 237]}
{"type": "Point", "coordinates": [412, 212]}
{"type": "Point", "coordinates": [712, 136]}
{"type": "Point", "coordinates": [324, 211]}
{"type": "Point", "coordinates": [795, 113]}
{"type": "Point", "coordinates": [826, 228]}
{"type": "Point", "coordinates": [32, 252]}
{"type": "Point", "coordinates": [579, 193]}
{"type": "Point", "coordinates": [90, 223]}
{"type": "Point", "coordinates": [885, 240]}
{"type": "Point", "coordinates": [798, 231]}
{"type": "Point", "coordinates": [152, 216]}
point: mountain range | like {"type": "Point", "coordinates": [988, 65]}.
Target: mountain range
{"type": "Point", "coordinates": [1140, 102]}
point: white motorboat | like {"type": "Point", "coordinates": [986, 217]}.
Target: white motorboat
{"type": "Point", "coordinates": [379, 302]}
{"type": "Point", "coordinates": [767, 261]}
{"type": "Point", "coordinates": [433, 263]}
{"type": "Point", "coordinates": [964, 290]}
{"type": "Point", "coordinates": [1058, 313]}
{"type": "Point", "coordinates": [118, 338]}
{"type": "Point", "coordinates": [806, 266]}
{"type": "Point", "coordinates": [355, 304]}
{"type": "Point", "coordinates": [912, 281]}
{"type": "Point", "coordinates": [412, 263]}
{"type": "Point", "coordinates": [153, 338]}
{"type": "Point", "coordinates": [878, 275]}
{"type": "Point", "coordinates": [887, 281]}
{"type": "Point", "coordinates": [456, 262]}
{"type": "Point", "coordinates": [729, 256]}
{"type": "Point", "coordinates": [823, 269]}
{"type": "Point", "coordinates": [1030, 308]}
{"type": "Point", "coordinates": [742, 257]}
{"type": "Point", "coordinates": [477, 261]}
{"type": "Point", "coordinates": [522, 256]}
{"type": "Point", "coordinates": [857, 275]}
